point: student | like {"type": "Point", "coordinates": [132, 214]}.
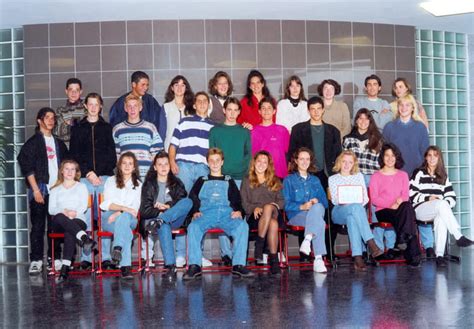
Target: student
{"type": "Point", "coordinates": [256, 90]}
{"type": "Point", "coordinates": [305, 204]}
{"type": "Point", "coordinates": [389, 193]}
{"type": "Point", "coordinates": [234, 141]}
{"type": "Point", "coordinates": [433, 198]}
{"type": "Point", "coordinates": [68, 115]}
{"type": "Point", "coordinates": [292, 109]}
{"type": "Point", "coordinates": [39, 160]}
{"type": "Point", "coordinates": [352, 214]}
{"type": "Point", "coordinates": [336, 112]}
{"type": "Point", "coordinates": [179, 100]}
{"type": "Point", "coordinates": [152, 111]}
{"type": "Point", "coordinates": [402, 88]}
{"type": "Point", "coordinates": [121, 203]}
{"type": "Point", "coordinates": [187, 154]}
{"type": "Point", "coordinates": [379, 107]}
{"type": "Point", "coordinates": [220, 89]}
{"type": "Point", "coordinates": [271, 137]}
{"type": "Point", "coordinates": [262, 200]}
{"type": "Point", "coordinates": [92, 146]}
{"type": "Point", "coordinates": [217, 204]}
{"type": "Point", "coordinates": [163, 207]}
{"type": "Point", "coordinates": [67, 206]}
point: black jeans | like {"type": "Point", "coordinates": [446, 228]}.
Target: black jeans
{"type": "Point", "coordinates": [70, 228]}
{"type": "Point", "coordinates": [403, 221]}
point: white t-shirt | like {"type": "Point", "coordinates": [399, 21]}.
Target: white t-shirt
{"type": "Point", "coordinates": [52, 160]}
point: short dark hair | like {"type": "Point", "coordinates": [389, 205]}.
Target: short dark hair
{"type": "Point", "coordinates": [399, 162]}
{"type": "Point", "coordinates": [266, 100]}
{"type": "Point", "coordinates": [373, 77]}
{"type": "Point", "coordinates": [201, 93]}
{"type": "Point", "coordinates": [138, 75]}
{"type": "Point", "coordinates": [41, 114]}
{"type": "Point", "coordinates": [96, 96]}
{"type": "Point", "coordinates": [315, 100]}
{"type": "Point", "coordinates": [334, 83]}
{"type": "Point", "coordinates": [72, 81]}
{"type": "Point", "coordinates": [232, 100]}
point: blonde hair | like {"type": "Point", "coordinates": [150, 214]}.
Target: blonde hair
{"type": "Point", "coordinates": [132, 97]}
{"type": "Point", "coordinates": [409, 98]}
{"type": "Point", "coordinates": [60, 180]}
{"type": "Point", "coordinates": [338, 164]}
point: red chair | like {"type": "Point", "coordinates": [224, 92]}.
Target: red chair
{"type": "Point", "coordinates": [178, 231]}
{"type": "Point", "coordinates": [282, 251]}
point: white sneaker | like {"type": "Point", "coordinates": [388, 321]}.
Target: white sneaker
{"type": "Point", "coordinates": [318, 266]}
{"type": "Point", "coordinates": [281, 257]}
{"type": "Point", "coordinates": [265, 259]}
{"type": "Point", "coordinates": [36, 267]}
{"type": "Point", "coordinates": [180, 262]}
{"type": "Point", "coordinates": [206, 262]}
{"type": "Point", "coordinates": [305, 247]}
{"type": "Point", "coordinates": [57, 265]}
{"type": "Point", "coordinates": [150, 263]}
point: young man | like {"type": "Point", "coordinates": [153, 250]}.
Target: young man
{"type": "Point", "coordinates": [39, 160]}
{"type": "Point", "coordinates": [69, 115]}
{"type": "Point", "coordinates": [379, 107]}
{"type": "Point", "coordinates": [325, 142]}
{"type": "Point", "coordinates": [217, 204]}
{"type": "Point", "coordinates": [152, 111]}
{"type": "Point", "coordinates": [234, 141]}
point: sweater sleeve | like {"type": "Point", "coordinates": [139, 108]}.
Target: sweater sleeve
{"type": "Point", "coordinates": [321, 194]}
{"type": "Point", "coordinates": [376, 181]}
{"type": "Point", "coordinates": [405, 185]}
{"type": "Point", "coordinates": [448, 193]}
{"type": "Point", "coordinates": [109, 189]}
{"type": "Point", "coordinates": [247, 149]}
{"type": "Point", "coordinates": [212, 137]}
{"type": "Point", "coordinates": [53, 206]}
{"type": "Point", "coordinates": [194, 195]}
{"type": "Point", "coordinates": [416, 194]}
{"type": "Point", "coordinates": [346, 120]}
{"type": "Point", "coordinates": [157, 143]}
{"type": "Point", "coordinates": [247, 203]}
{"type": "Point", "coordinates": [332, 182]}
{"type": "Point", "coordinates": [83, 196]}
{"type": "Point", "coordinates": [234, 197]}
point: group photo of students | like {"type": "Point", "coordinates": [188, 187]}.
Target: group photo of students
{"type": "Point", "coordinates": [251, 167]}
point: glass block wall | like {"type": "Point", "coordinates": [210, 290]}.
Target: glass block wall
{"type": "Point", "coordinates": [443, 90]}
{"type": "Point", "coordinates": [13, 205]}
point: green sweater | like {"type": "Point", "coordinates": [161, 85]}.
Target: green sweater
{"type": "Point", "coordinates": [234, 141]}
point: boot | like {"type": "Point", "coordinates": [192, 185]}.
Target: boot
{"type": "Point", "coordinates": [274, 264]}
{"type": "Point", "coordinates": [258, 252]}
{"type": "Point", "coordinates": [375, 251]}
{"type": "Point", "coordinates": [63, 275]}
{"type": "Point", "coordinates": [359, 264]}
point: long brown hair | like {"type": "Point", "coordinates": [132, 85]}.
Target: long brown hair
{"type": "Point", "coordinates": [375, 137]}
{"type": "Point", "coordinates": [295, 78]}
{"type": "Point", "coordinates": [77, 176]}
{"type": "Point", "coordinates": [293, 167]}
{"type": "Point", "coordinates": [188, 94]}
{"type": "Point", "coordinates": [135, 173]}
{"type": "Point", "coordinates": [440, 171]}
{"type": "Point", "coordinates": [273, 183]}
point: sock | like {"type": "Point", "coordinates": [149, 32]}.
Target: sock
{"type": "Point", "coordinates": [308, 237]}
{"type": "Point", "coordinates": [80, 234]}
{"type": "Point", "coordinates": [318, 257]}
{"type": "Point", "coordinates": [66, 262]}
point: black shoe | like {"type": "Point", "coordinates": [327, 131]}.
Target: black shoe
{"type": "Point", "coordinates": [258, 252]}
{"type": "Point", "coordinates": [227, 261]}
{"type": "Point", "coordinates": [441, 262]}
{"type": "Point", "coordinates": [107, 265]}
{"type": "Point", "coordinates": [170, 273]}
{"type": "Point", "coordinates": [430, 253]}
{"type": "Point", "coordinates": [242, 271]}
{"type": "Point", "coordinates": [153, 225]}
{"type": "Point", "coordinates": [274, 264]}
{"type": "Point", "coordinates": [126, 272]}
{"type": "Point", "coordinates": [403, 241]}
{"type": "Point", "coordinates": [63, 275]}
{"type": "Point", "coordinates": [116, 255]}
{"type": "Point", "coordinates": [415, 261]}
{"type": "Point", "coordinates": [464, 242]}
{"type": "Point", "coordinates": [194, 271]}
{"type": "Point", "coordinates": [85, 265]}
{"type": "Point", "coordinates": [87, 244]}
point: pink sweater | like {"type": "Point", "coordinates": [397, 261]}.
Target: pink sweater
{"type": "Point", "coordinates": [385, 189]}
{"type": "Point", "coordinates": [274, 139]}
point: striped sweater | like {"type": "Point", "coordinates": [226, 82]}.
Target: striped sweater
{"type": "Point", "coordinates": [422, 186]}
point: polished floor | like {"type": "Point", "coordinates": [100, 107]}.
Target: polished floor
{"type": "Point", "coordinates": [389, 296]}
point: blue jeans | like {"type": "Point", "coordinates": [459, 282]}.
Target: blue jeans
{"type": "Point", "coordinates": [122, 229]}
{"type": "Point", "coordinates": [426, 235]}
{"type": "Point", "coordinates": [96, 190]}
{"type": "Point", "coordinates": [218, 218]}
{"type": "Point", "coordinates": [313, 221]}
{"type": "Point", "coordinates": [355, 217]}
{"type": "Point", "coordinates": [173, 218]}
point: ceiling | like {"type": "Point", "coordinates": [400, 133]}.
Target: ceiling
{"type": "Point", "coordinates": [15, 13]}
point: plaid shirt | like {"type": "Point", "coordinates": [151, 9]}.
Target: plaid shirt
{"type": "Point", "coordinates": [368, 160]}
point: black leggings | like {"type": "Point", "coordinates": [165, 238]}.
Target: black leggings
{"type": "Point", "coordinates": [70, 227]}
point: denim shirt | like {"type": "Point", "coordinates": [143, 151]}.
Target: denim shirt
{"type": "Point", "coordinates": [298, 190]}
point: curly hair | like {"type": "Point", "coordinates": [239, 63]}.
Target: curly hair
{"type": "Point", "coordinates": [293, 167]}
{"type": "Point", "coordinates": [135, 174]}
{"type": "Point", "coordinates": [213, 83]}
{"type": "Point", "coordinates": [399, 162]}
{"type": "Point", "coordinates": [331, 82]}
{"type": "Point", "coordinates": [273, 182]}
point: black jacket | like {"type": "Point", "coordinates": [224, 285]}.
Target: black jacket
{"type": "Point", "coordinates": [93, 147]}
{"type": "Point", "coordinates": [33, 158]}
{"type": "Point", "coordinates": [150, 191]}
{"type": "Point", "coordinates": [301, 136]}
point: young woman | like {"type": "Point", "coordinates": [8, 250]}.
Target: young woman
{"type": "Point", "coordinates": [292, 109]}
{"type": "Point", "coordinates": [93, 147]}
{"type": "Point", "coordinates": [68, 200]}
{"type": "Point", "coordinates": [305, 203]}
{"type": "Point", "coordinates": [256, 90]}
{"type": "Point", "coordinates": [220, 88]}
{"type": "Point", "coordinates": [336, 112]}
{"type": "Point", "coordinates": [389, 194]}
{"type": "Point", "coordinates": [271, 137]}
{"type": "Point", "coordinates": [179, 100]}
{"type": "Point", "coordinates": [402, 88]}
{"type": "Point", "coordinates": [121, 203]}
{"type": "Point", "coordinates": [262, 200]}
{"type": "Point", "coordinates": [352, 214]}
{"type": "Point", "coordinates": [163, 207]}
{"type": "Point", "coordinates": [433, 198]}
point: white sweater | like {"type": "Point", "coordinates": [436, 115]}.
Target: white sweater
{"type": "Point", "coordinates": [129, 196]}
{"type": "Point", "coordinates": [73, 198]}
{"type": "Point", "coordinates": [288, 115]}
{"type": "Point", "coordinates": [173, 117]}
